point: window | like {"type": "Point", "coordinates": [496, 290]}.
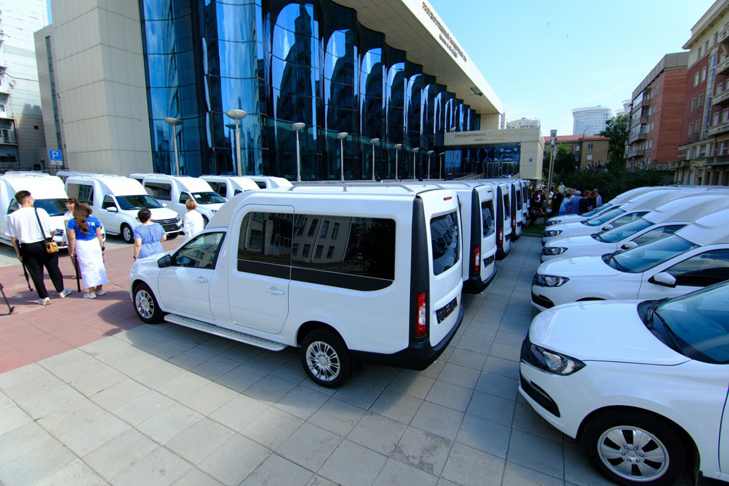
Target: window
{"type": "Point", "coordinates": [696, 79]}
{"type": "Point", "coordinates": [487, 216]}
{"type": "Point", "coordinates": [324, 229]}
{"type": "Point", "coordinates": [108, 203]}
{"type": "Point", "coordinates": [335, 231]}
{"type": "Point", "coordinates": [83, 192]}
{"type": "Point", "coordinates": [264, 245]}
{"type": "Point", "coordinates": [159, 190]}
{"type": "Point", "coordinates": [589, 148]}
{"type": "Point", "coordinates": [657, 234]}
{"type": "Point", "coordinates": [702, 270]}
{"type": "Point", "coordinates": [645, 257]}
{"type": "Point", "coordinates": [445, 242]}
{"type": "Point", "coordinates": [14, 206]}
{"type": "Point", "coordinates": [519, 200]}
{"type": "Point", "coordinates": [219, 187]}
{"type": "Point", "coordinates": [363, 259]}
{"type": "Point", "coordinates": [201, 252]}
{"type": "Point", "coordinates": [312, 226]}
{"type": "Point", "coordinates": [184, 197]}
{"type": "Point", "coordinates": [507, 206]}
{"type": "Point", "coordinates": [703, 75]}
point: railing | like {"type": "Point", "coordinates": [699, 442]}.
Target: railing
{"type": "Point", "coordinates": [719, 128]}
{"type": "Point", "coordinates": [723, 65]}
{"type": "Point", "coordinates": [720, 97]}
{"type": "Point", "coordinates": [7, 139]}
{"type": "Point", "coordinates": [723, 36]}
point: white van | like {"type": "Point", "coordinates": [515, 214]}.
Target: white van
{"type": "Point", "coordinates": [174, 191]}
{"type": "Point", "coordinates": [663, 221]}
{"type": "Point", "coordinates": [333, 270]}
{"type": "Point", "coordinates": [503, 215]}
{"type": "Point", "coordinates": [271, 183]}
{"type": "Point", "coordinates": [116, 200]}
{"type": "Point", "coordinates": [613, 203]}
{"type": "Point", "coordinates": [230, 186]}
{"type": "Point", "coordinates": [518, 208]}
{"type": "Point", "coordinates": [49, 194]}
{"type": "Point", "coordinates": [694, 257]}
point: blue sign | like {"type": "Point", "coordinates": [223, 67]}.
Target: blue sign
{"type": "Point", "coordinates": [55, 155]}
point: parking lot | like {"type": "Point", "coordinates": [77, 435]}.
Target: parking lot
{"type": "Point", "coordinates": [167, 405]}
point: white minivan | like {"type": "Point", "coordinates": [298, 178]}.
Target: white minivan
{"type": "Point", "coordinates": [335, 271]}
{"type": "Point", "coordinates": [174, 191]}
{"type": "Point", "coordinates": [230, 186]}
{"type": "Point", "coordinates": [502, 199]}
{"type": "Point", "coordinates": [116, 200]}
{"type": "Point", "coordinates": [271, 183]}
{"type": "Point", "coordinates": [49, 194]}
{"type": "Point", "coordinates": [692, 258]}
{"type": "Point", "coordinates": [663, 221]}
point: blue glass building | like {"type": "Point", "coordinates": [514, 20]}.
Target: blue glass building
{"type": "Point", "coordinates": [288, 61]}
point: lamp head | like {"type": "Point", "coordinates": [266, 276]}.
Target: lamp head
{"type": "Point", "coordinates": [171, 120]}
{"type": "Point", "coordinates": [299, 126]}
{"type": "Point", "coordinates": [236, 113]}
{"type": "Point", "coordinates": [342, 135]}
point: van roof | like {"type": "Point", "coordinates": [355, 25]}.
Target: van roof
{"type": "Point", "coordinates": [711, 229]}
{"type": "Point", "coordinates": [361, 187]}
{"type": "Point", "coordinates": [274, 182]}
{"type": "Point", "coordinates": [42, 186]}
{"type": "Point", "coordinates": [192, 184]}
{"type": "Point", "coordinates": [114, 184]}
{"type": "Point", "coordinates": [241, 181]}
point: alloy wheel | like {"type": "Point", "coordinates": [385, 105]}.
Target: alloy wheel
{"type": "Point", "coordinates": [323, 361]}
{"type": "Point", "coordinates": [633, 453]}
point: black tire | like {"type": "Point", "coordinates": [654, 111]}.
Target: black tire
{"type": "Point", "coordinates": [669, 444]}
{"type": "Point", "coordinates": [146, 305]}
{"type": "Point", "coordinates": [324, 342]}
{"type": "Point", "coordinates": [172, 236]}
{"type": "Point", "coordinates": [126, 233]}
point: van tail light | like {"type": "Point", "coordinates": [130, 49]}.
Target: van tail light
{"type": "Point", "coordinates": [477, 259]}
{"type": "Point", "coordinates": [501, 236]}
{"type": "Point", "coordinates": [421, 321]}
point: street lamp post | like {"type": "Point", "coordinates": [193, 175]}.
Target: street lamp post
{"type": "Point", "coordinates": [415, 151]}
{"type": "Point", "coordinates": [374, 142]}
{"type": "Point", "coordinates": [173, 122]}
{"type": "Point", "coordinates": [341, 136]}
{"type": "Point", "coordinates": [553, 154]}
{"type": "Point", "coordinates": [430, 154]}
{"type": "Point", "coordinates": [237, 115]}
{"type": "Point", "coordinates": [398, 147]}
{"type": "Point", "coordinates": [298, 126]}
{"type": "Point", "coordinates": [441, 156]}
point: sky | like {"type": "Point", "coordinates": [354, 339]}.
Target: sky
{"type": "Point", "coordinates": [545, 58]}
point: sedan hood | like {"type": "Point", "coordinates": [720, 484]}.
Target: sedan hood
{"type": "Point", "coordinates": [601, 331]}
{"type": "Point", "coordinates": [587, 266]}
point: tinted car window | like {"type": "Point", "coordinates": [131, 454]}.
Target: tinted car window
{"type": "Point", "coordinates": [519, 200]}
{"type": "Point", "coordinates": [657, 234]}
{"type": "Point", "coordinates": [648, 256]}
{"type": "Point", "coordinates": [702, 270]}
{"type": "Point", "coordinates": [360, 252]}
{"type": "Point", "coordinates": [108, 202]}
{"type": "Point", "coordinates": [487, 215]}
{"type": "Point", "coordinates": [202, 252]}
{"type": "Point", "coordinates": [159, 190]}
{"type": "Point", "coordinates": [264, 245]}
{"type": "Point", "coordinates": [619, 234]}
{"type": "Point", "coordinates": [83, 192]}
{"type": "Point", "coordinates": [219, 187]}
{"type": "Point", "coordinates": [507, 206]}
{"type": "Point", "coordinates": [445, 242]}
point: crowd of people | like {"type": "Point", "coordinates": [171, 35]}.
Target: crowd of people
{"type": "Point", "coordinates": [29, 231]}
{"type": "Point", "coordinates": [560, 200]}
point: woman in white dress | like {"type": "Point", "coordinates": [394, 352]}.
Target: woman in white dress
{"type": "Point", "coordinates": [193, 222]}
{"type": "Point", "coordinates": [86, 244]}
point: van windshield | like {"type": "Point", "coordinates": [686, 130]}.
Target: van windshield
{"type": "Point", "coordinates": [208, 198]}
{"type": "Point", "coordinates": [54, 207]}
{"type": "Point", "coordinates": [137, 201]}
{"type": "Point", "coordinates": [487, 215]}
{"type": "Point", "coordinates": [444, 242]}
{"type": "Point", "coordinates": [645, 257]}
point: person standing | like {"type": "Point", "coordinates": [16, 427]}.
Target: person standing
{"type": "Point", "coordinates": [28, 230]}
{"type": "Point", "coordinates": [193, 222]}
{"type": "Point", "coordinates": [598, 198]}
{"type": "Point", "coordinates": [148, 236]}
{"type": "Point", "coordinates": [86, 245]}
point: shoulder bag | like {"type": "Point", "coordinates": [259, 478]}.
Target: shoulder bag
{"type": "Point", "coordinates": [50, 245]}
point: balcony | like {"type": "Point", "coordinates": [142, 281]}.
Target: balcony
{"type": "Point", "coordinates": [636, 152]}
{"type": "Point", "coordinates": [636, 135]}
{"type": "Point", "coordinates": [723, 37]}
{"type": "Point", "coordinates": [723, 65]}
{"type": "Point", "coordinates": [721, 127]}
{"type": "Point", "coordinates": [8, 139]}
{"type": "Point", "coordinates": [721, 97]}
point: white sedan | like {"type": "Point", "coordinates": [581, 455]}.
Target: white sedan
{"type": "Point", "coordinates": [642, 386]}
{"type": "Point", "coordinates": [613, 218]}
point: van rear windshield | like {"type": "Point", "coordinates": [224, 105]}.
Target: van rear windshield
{"type": "Point", "coordinates": [507, 206]}
{"type": "Point", "coordinates": [487, 215]}
{"type": "Point", "coordinates": [445, 242]}
{"type": "Point", "coordinates": [519, 200]}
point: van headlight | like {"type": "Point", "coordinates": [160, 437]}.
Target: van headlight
{"type": "Point", "coordinates": [553, 362]}
{"type": "Point", "coordinates": [552, 233]}
{"type": "Point", "coordinates": [549, 280]}
{"type": "Point", "coordinates": [553, 250]}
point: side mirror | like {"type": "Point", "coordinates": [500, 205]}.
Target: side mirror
{"type": "Point", "coordinates": [663, 279]}
{"type": "Point", "coordinates": [607, 227]}
{"type": "Point", "coordinates": [629, 245]}
{"type": "Point", "coordinates": [112, 209]}
{"type": "Point", "coordinates": [165, 261]}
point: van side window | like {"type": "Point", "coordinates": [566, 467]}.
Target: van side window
{"type": "Point", "coordinates": [184, 197]}
{"type": "Point", "coordinates": [84, 193]}
{"type": "Point", "coordinates": [360, 254]}
{"type": "Point", "coordinates": [159, 190]}
{"type": "Point", "coordinates": [445, 242]}
{"type": "Point", "coordinates": [201, 252]}
{"type": "Point", "coordinates": [13, 206]}
{"type": "Point", "coordinates": [219, 187]}
{"type": "Point", "coordinates": [507, 206]}
{"type": "Point", "coordinates": [487, 215]}
{"type": "Point", "coordinates": [264, 246]}
{"type": "Point", "coordinates": [108, 203]}
{"type": "Point", "coordinates": [702, 270]}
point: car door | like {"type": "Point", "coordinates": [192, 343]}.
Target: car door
{"type": "Point", "coordinates": [184, 287]}
{"type": "Point", "coordinates": [109, 214]}
{"type": "Point", "coordinates": [691, 273]}
{"type": "Point", "coordinates": [259, 280]}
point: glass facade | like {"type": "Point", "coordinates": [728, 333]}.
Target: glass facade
{"type": "Point", "coordinates": [286, 62]}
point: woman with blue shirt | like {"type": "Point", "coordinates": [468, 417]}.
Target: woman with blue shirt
{"type": "Point", "coordinates": [86, 245]}
{"type": "Point", "coordinates": [148, 236]}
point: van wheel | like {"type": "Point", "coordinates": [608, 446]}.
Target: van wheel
{"type": "Point", "coordinates": [634, 448]}
{"type": "Point", "coordinates": [127, 234]}
{"type": "Point", "coordinates": [146, 305]}
{"type": "Point", "coordinates": [326, 358]}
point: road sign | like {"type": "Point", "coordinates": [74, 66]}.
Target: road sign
{"type": "Point", "coordinates": [55, 156]}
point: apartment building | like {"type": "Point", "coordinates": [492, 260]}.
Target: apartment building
{"type": "Point", "coordinates": [705, 149]}
{"type": "Point", "coordinates": [657, 115]}
{"type": "Point", "coordinates": [590, 152]}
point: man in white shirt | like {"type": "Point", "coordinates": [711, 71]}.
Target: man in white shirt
{"type": "Point", "coordinates": [27, 228]}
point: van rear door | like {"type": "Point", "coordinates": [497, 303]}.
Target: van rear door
{"type": "Point", "coordinates": [443, 231]}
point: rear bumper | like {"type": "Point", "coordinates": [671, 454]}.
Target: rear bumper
{"type": "Point", "coordinates": [419, 355]}
{"type": "Point", "coordinates": [476, 285]}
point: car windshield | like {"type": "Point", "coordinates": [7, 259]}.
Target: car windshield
{"type": "Point", "coordinates": [604, 218]}
{"type": "Point", "coordinates": [648, 256]}
{"type": "Point", "coordinates": [54, 207]}
{"type": "Point", "coordinates": [444, 242]}
{"type": "Point", "coordinates": [697, 323]}
{"type": "Point", "coordinates": [623, 232]}
{"type": "Point", "coordinates": [596, 211]}
{"type": "Point", "coordinates": [137, 201]}
{"type": "Point", "coordinates": [208, 198]}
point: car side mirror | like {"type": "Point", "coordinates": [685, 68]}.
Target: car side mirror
{"type": "Point", "coordinates": [607, 227]}
{"type": "Point", "coordinates": [112, 209]}
{"type": "Point", "coordinates": [663, 279]}
{"type": "Point", "coordinates": [629, 245]}
{"type": "Point", "coordinates": [165, 261]}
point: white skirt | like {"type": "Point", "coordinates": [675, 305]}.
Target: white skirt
{"type": "Point", "coordinates": [91, 263]}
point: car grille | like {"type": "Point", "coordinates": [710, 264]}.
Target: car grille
{"type": "Point", "coordinates": [446, 310]}
{"type": "Point", "coordinates": [169, 224]}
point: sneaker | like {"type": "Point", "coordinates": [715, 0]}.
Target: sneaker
{"type": "Point", "coordinates": [43, 302]}
{"type": "Point", "coordinates": [101, 292]}
{"type": "Point", "coordinates": [89, 295]}
{"type": "Point", "coordinates": [64, 293]}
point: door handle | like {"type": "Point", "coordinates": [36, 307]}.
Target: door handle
{"type": "Point", "coordinates": [201, 280]}
{"type": "Point", "coordinates": [276, 291]}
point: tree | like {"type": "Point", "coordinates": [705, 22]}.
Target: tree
{"type": "Point", "coordinates": [617, 130]}
{"type": "Point", "coordinates": [565, 162]}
